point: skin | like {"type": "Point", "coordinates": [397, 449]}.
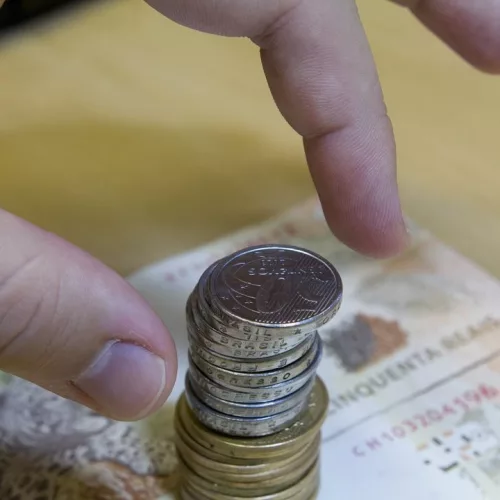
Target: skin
{"type": "Point", "coordinates": [62, 312]}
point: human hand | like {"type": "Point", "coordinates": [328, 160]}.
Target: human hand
{"type": "Point", "coordinates": [323, 78]}
{"type": "Point", "coordinates": [76, 328]}
{"type": "Point", "coordinates": [71, 325]}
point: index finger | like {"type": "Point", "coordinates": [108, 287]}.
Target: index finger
{"type": "Point", "coordinates": [322, 75]}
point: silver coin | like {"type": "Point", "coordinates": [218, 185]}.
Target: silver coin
{"type": "Point", "coordinates": [274, 286]}
{"type": "Point", "coordinates": [203, 294]}
{"type": "Point", "coordinates": [239, 426]}
{"type": "Point", "coordinates": [243, 330]}
{"type": "Point", "coordinates": [233, 327]}
{"type": "Point", "coordinates": [253, 394]}
{"type": "Point", "coordinates": [282, 345]}
{"type": "Point", "coordinates": [250, 366]}
{"type": "Point", "coordinates": [232, 379]}
{"type": "Point", "coordinates": [259, 335]}
{"type": "Point", "coordinates": [251, 410]}
{"type": "Point", "coordinates": [234, 351]}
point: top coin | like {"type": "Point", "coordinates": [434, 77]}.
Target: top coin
{"type": "Point", "coordinates": [275, 286]}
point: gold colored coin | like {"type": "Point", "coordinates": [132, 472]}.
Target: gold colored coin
{"type": "Point", "coordinates": [185, 436]}
{"type": "Point", "coordinates": [222, 461]}
{"type": "Point", "coordinates": [219, 460]}
{"type": "Point", "coordinates": [246, 471]}
{"type": "Point", "coordinates": [303, 489]}
{"type": "Point", "coordinates": [294, 437]}
{"type": "Point", "coordinates": [185, 495]}
{"type": "Point", "coordinates": [270, 482]}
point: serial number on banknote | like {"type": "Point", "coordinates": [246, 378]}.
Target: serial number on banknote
{"type": "Point", "coordinates": [461, 404]}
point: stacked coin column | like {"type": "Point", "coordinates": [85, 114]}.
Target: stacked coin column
{"type": "Point", "coordinates": [248, 424]}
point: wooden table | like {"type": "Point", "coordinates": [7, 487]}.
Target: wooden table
{"type": "Point", "coordinates": [122, 131]}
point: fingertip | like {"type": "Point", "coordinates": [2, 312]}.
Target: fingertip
{"type": "Point", "coordinates": [124, 381]}
{"type": "Point", "coordinates": [469, 28]}
{"type": "Point", "coordinates": [377, 243]}
{"type": "Point", "coordinates": [77, 328]}
{"type": "Point", "coordinates": [354, 171]}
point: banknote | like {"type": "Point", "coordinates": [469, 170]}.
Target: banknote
{"type": "Point", "coordinates": [411, 362]}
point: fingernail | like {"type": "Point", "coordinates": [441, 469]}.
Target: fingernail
{"type": "Point", "coordinates": [125, 380]}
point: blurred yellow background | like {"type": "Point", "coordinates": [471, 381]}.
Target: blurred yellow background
{"type": "Point", "coordinates": [120, 131]}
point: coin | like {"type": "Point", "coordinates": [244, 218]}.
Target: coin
{"type": "Point", "coordinates": [235, 349]}
{"type": "Point", "coordinates": [185, 495]}
{"type": "Point", "coordinates": [300, 432]}
{"type": "Point", "coordinates": [215, 458]}
{"type": "Point", "coordinates": [257, 393]}
{"type": "Point", "coordinates": [230, 378]}
{"type": "Point", "coordinates": [207, 317]}
{"type": "Point", "coordinates": [275, 345]}
{"type": "Point", "coordinates": [302, 489]}
{"type": "Point", "coordinates": [252, 465]}
{"type": "Point", "coordinates": [241, 426]}
{"type": "Point", "coordinates": [245, 394]}
{"type": "Point", "coordinates": [250, 410]}
{"type": "Point", "coordinates": [274, 474]}
{"type": "Point", "coordinates": [240, 484]}
{"type": "Point", "coordinates": [249, 422]}
{"type": "Point", "coordinates": [249, 365]}
{"type": "Point", "coordinates": [273, 286]}
{"type": "Point", "coordinates": [220, 333]}
{"type": "Point", "coordinates": [245, 470]}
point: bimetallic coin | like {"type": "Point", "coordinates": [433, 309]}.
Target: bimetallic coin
{"type": "Point", "coordinates": [252, 410]}
{"type": "Point", "coordinates": [293, 437]}
{"type": "Point", "coordinates": [246, 394]}
{"type": "Point", "coordinates": [248, 365]}
{"type": "Point", "coordinates": [273, 286]}
{"type": "Point", "coordinates": [233, 379]}
{"type": "Point", "coordinates": [240, 426]}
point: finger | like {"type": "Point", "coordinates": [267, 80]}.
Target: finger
{"type": "Point", "coordinates": [74, 327]}
{"type": "Point", "coordinates": [323, 79]}
{"type": "Point", "coordinates": [471, 28]}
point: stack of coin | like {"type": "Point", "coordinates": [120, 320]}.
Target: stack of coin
{"type": "Point", "coordinates": [248, 423]}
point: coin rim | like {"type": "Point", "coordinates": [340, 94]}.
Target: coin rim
{"type": "Point", "coordinates": [305, 375]}
{"type": "Point", "coordinates": [309, 480]}
{"type": "Point", "coordinates": [247, 396]}
{"type": "Point", "coordinates": [252, 422]}
{"type": "Point", "coordinates": [286, 479]}
{"type": "Point", "coordinates": [303, 392]}
{"type": "Point", "coordinates": [220, 308]}
{"type": "Point", "coordinates": [274, 361]}
{"type": "Point", "coordinates": [316, 346]}
{"type": "Point", "coordinates": [249, 446]}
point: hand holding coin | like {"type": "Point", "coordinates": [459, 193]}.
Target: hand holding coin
{"type": "Point", "coordinates": [73, 326]}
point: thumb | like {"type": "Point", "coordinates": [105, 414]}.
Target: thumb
{"type": "Point", "coordinates": [74, 327]}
